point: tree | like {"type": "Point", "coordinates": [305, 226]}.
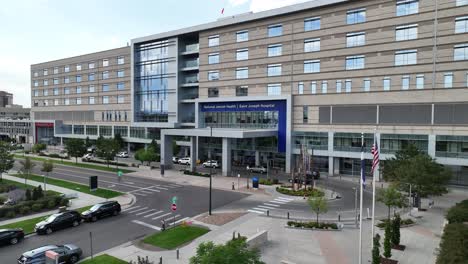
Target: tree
{"type": "Point", "coordinates": [75, 148]}
{"type": "Point", "coordinates": [37, 193]}
{"type": "Point", "coordinates": [318, 205]}
{"type": "Point", "coordinates": [396, 223]}
{"type": "Point", "coordinates": [119, 141]}
{"type": "Point", "coordinates": [6, 159]}
{"type": "Point", "coordinates": [376, 250]}
{"type": "Point", "coordinates": [391, 197]}
{"type": "Point", "coordinates": [145, 155]}
{"type": "Point", "coordinates": [453, 244]}
{"type": "Point", "coordinates": [28, 195]}
{"type": "Point", "coordinates": [387, 242]}
{"type": "Point", "coordinates": [39, 147]}
{"type": "Point", "coordinates": [26, 167]}
{"type": "Point", "coordinates": [411, 166]}
{"type": "Point", "coordinates": [47, 167]}
{"type": "Point", "coordinates": [107, 148]}
{"type": "Point", "coordinates": [233, 252]}
{"type": "Point", "coordinates": [88, 142]}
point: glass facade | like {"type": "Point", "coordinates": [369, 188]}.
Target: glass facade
{"type": "Point", "coordinates": [452, 146]}
{"type": "Point", "coordinates": [105, 131]}
{"type": "Point", "coordinates": [248, 119]}
{"type": "Point", "coordinates": [391, 143]}
{"type": "Point", "coordinates": [352, 142]}
{"type": "Point", "coordinates": [91, 130]}
{"type": "Point", "coordinates": [151, 81]}
{"type": "Point", "coordinates": [313, 140]}
{"type": "Point", "coordinates": [121, 130]}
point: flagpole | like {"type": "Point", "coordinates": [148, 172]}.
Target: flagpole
{"type": "Point", "coordinates": [360, 203]}
{"type": "Point", "coordinates": [373, 188]}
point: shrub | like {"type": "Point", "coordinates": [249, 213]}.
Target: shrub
{"type": "Point", "coordinates": [28, 195]}
{"type": "Point", "coordinates": [4, 210]}
{"type": "Point", "coordinates": [51, 204]}
{"type": "Point", "coordinates": [38, 148]}
{"type": "Point", "coordinates": [312, 225]}
{"type": "Point", "coordinates": [396, 230]}
{"type": "Point", "coordinates": [387, 242]}
{"type": "Point", "coordinates": [64, 202]}
{"type": "Point", "coordinates": [453, 244]}
{"type": "Point", "coordinates": [302, 192]}
{"type": "Point", "coordinates": [268, 181]}
{"type": "Point", "coordinates": [403, 222]}
{"type": "Point", "coordinates": [37, 207]}
{"type": "Point", "coordinates": [25, 210]}
{"type": "Point", "coordinates": [10, 214]}
{"type": "Point", "coordinates": [194, 173]}
{"type": "Point", "coordinates": [458, 213]}
{"type": "Point", "coordinates": [2, 199]}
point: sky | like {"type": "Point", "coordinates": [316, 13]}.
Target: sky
{"type": "Point", "coordinates": [34, 31]}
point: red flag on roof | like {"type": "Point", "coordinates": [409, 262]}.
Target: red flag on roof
{"type": "Point", "coordinates": [222, 11]}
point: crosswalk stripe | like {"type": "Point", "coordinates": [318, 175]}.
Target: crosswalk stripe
{"type": "Point", "coordinates": [131, 208]}
{"type": "Point", "coordinates": [175, 185]}
{"type": "Point", "coordinates": [286, 198]}
{"type": "Point", "coordinates": [152, 190]}
{"type": "Point", "coordinates": [254, 211]}
{"type": "Point", "coordinates": [260, 209]}
{"type": "Point", "coordinates": [137, 210]}
{"type": "Point", "coordinates": [145, 192]}
{"type": "Point", "coordinates": [153, 214]}
{"type": "Point", "coordinates": [269, 204]}
{"type": "Point", "coordinates": [159, 187]}
{"type": "Point", "coordinates": [139, 194]}
{"type": "Point", "coordinates": [267, 207]}
{"type": "Point", "coordinates": [171, 218]}
{"type": "Point", "coordinates": [144, 212]}
{"type": "Point", "coordinates": [282, 200]}
{"type": "Point", "coordinates": [178, 221]}
{"type": "Point", "coordinates": [146, 224]}
{"type": "Point", "coordinates": [276, 202]}
{"type": "Point", "coordinates": [157, 217]}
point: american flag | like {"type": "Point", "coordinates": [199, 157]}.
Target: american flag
{"type": "Point", "coordinates": [375, 154]}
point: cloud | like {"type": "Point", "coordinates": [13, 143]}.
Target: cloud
{"type": "Point", "coordinates": [237, 2]}
{"type": "Point", "coordinates": [262, 5]}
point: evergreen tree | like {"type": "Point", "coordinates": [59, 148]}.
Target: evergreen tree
{"type": "Point", "coordinates": [387, 241]}
{"type": "Point", "coordinates": [28, 195]}
{"type": "Point", "coordinates": [376, 250]}
{"type": "Point", "coordinates": [396, 223]}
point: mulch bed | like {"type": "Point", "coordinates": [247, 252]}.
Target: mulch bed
{"type": "Point", "coordinates": [388, 261]}
{"type": "Point", "coordinates": [219, 219]}
{"type": "Point", "coordinates": [399, 247]}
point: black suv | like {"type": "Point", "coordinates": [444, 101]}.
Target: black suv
{"type": "Point", "coordinates": [101, 210]}
{"type": "Point", "coordinates": [67, 254]}
{"type": "Point", "coordinates": [11, 236]}
{"type": "Point", "coordinates": [58, 221]}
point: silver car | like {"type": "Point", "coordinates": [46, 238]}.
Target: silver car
{"type": "Point", "coordinates": [259, 169]}
{"type": "Point", "coordinates": [67, 254]}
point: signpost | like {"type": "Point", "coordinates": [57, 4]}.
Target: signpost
{"type": "Point", "coordinates": [174, 208]}
{"type": "Point", "coordinates": [238, 181]}
{"type": "Point", "coordinates": [119, 175]}
{"type": "Point", "coordinates": [93, 183]}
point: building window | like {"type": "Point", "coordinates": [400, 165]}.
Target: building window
{"type": "Point", "coordinates": [56, 102]}
{"type": "Point", "coordinates": [448, 80]}
{"type": "Point", "coordinates": [56, 70]}
{"type": "Point", "coordinates": [300, 88]}
{"type": "Point", "coordinates": [78, 78]}
{"type": "Point", "coordinates": [66, 68]}
{"type": "Point", "coordinates": [120, 99]}
{"type": "Point", "coordinates": [242, 36]}
{"type": "Point", "coordinates": [242, 73]}
{"type": "Point", "coordinates": [405, 82]}
{"type": "Point", "coordinates": [78, 89]}
{"type": "Point", "coordinates": [66, 90]}
{"type": "Point", "coordinates": [305, 114]}
{"type": "Point", "coordinates": [120, 60]}
{"type": "Point", "coordinates": [466, 80]}
{"type": "Point", "coordinates": [407, 32]}
{"type": "Point", "coordinates": [46, 92]}
{"type": "Point", "coordinates": [56, 81]}
{"type": "Point", "coordinates": [275, 50]}
{"type": "Point", "coordinates": [242, 54]}
{"type": "Point", "coordinates": [242, 90]}
{"type": "Point", "coordinates": [407, 7]}
{"type": "Point", "coordinates": [274, 89]}
{"type": "Point", "coordinates": [91, 65]}
{"type": "Point", "coordinates": [311, 45]}
{"type": "Point", "coordinates": [366, 85]}
{"type": "Point", "coordinates": [324, 87]}
{"type": "Point", "coordinates": [78, 67]}
{"type": "Point", "coordinates": [78, 100]}
{"type": "Point", "coordinates": [36, 74]}
{"type": "Point", "coordinates": [313, 87]}
{"type": "Point", "coordinates": [66, 79]}
{"type": "Point", "coordinates": [36, 93]}
{"type": "Point", "coordinates": [355, 62]}
{"type": "Point", "coordinates": [105, 99]}
{"type": "Point", "coordinates": [406, 57]}
{"type": "Point", "coordinates": [120, 86]}
{"type": "Point", "coordinates": [312, 24]}
{"type": "Point", "coordinates": [312, 66]}
{"type": "Point", "coordinates": [120, 73]}
{"type": "Point", "coordinates": [105, 62]}
{"type": "Point", "coordinates": [462, 2]}
{"type": "Point", "coordinates": [213, 41]}
{"type": "Point", "coordinates": [339, 86]}
{"type": "Point", "coordinates": [91, 100]}
{"type": "Point", "coordinates": [91, 89]}
{"type": "Point", "coordinates": [105, 87]}
{"type": "Point", "coordinates": [91, 77]}
{"type": "Point", "coordinates": [274, 70]}
{"type": "Point", "coordinates": [66, 101]}
{"type": "Point", "coordinates": [275, 30]}
{"type": "Point", "coordinates": [420, 81]}
{"type": "Point", "coordinates": [45, 72]}
{"type": "Point", "coordinates": [213, 92]}
{"type": "Point", "coordinates": [46, 82]}
{"type": "Point", "coordinates": [356, 16]}
{"type": "Point", "coordinates": [56, 91]}
{"type": "Point", "coordinates": [36, 83]}
{"type": "Point", "coordinates": [213, 58]}
{"type": "Point", "coordinates": [46, 102]}
{"type": "Point", "coordinates": [460, 52]}
{"type": "Point", "coordinates": [213, 75]}
{"type": "Point", "coordinates": [355, 39]}
{"type": "Point", "coordinates": [386, 83]}
{"type": "Point", "coordinates": [348, 86]}
{"type": "Point", "coordinates": [105, 75]}
{"type": "Point", "coordinates": [461, 25]}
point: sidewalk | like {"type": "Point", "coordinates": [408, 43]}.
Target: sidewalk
{"type": "Point", "coordinates": [82, 200]}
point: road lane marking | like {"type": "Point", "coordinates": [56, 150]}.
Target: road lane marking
{"type": "Point", "coordinates": [276, 202]}
{"type": "Point", "coordinates": [269, 204]}
{"type": "Point", "coordinates": [146, 224]}
{"type": "Point", "coordinates": [254, 211]}
{"type": "Point", "coordinates": [281, 200]}
{"type": "Point", "coordinates": [151, 190]}
{"type": "Point", "coordinates": [144, 188]}
{"type": "Point", "coordinates": [157, 217]}
{"type": "Point", "coordinates": [162, 188]}
{"type": "Point", "coordinates": [139, 194]}
{"type": "Point", "coordinates": [131, 208]}
{"type": "Point", "coordinates": [129, 182]}
{"type": "Point", "coordinates": [144, 212]}
{"type": "Point", "coordinates": [260, 209]}
{"type": "Point", "coordinates": [178, 221]}
{"type": "Point", "coordinates": [153, 214]}
{"type": "Point", "coordinates": [286, 198]}
{"type": "Point", "coordinates": [146, 192]}
{"type": "Point", "coordinates": [137, 210]}
{"type": "Point", "coordinates": [171, 218]}
{"type": "Point", "coordinates": [267, 207]}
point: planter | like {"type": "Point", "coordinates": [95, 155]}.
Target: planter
{"type": "Point", "coordinates": [312, 229]}
{"type": "Point", "coordinates": [387, 261]}
{"type": "Point", "coordinates": [399, 247]}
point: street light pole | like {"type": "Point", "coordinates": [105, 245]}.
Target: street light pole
{"type": "Point", "coordinates": [211, 136]}
{"type": "Point", "coordinates": [355, 206]}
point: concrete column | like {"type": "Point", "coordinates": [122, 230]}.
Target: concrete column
{"type": "Point", "coordinates": [330, 166]}
{"type": "Point", "coordinates": [166, 151]}
{"type": "Point", "coordinates": [257, 158]}
{"type": "Point", "coordinates": [336, 165]}
{"type": "Point", "coordinates": [128, 147]}
{"type": "Point", "coordinates": [196, 148]}
{"type": "Point", "coordinates": [431, 149]}
{"type": "Point", "coordinates": [193, 158]}
{"type": "Point", "coordinates": [186, 151]}
{"type": "Point", "coordinates": [226, 162]}
{"type": "Point", "coordinates": [331, 159]}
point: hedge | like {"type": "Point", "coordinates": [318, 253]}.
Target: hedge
{"type": "Point", "coordinates": [313, 225]}
{"type": "Point", "coordinates": [268, 181]}
{"type": "Point", "coordinates": [453, 244]}
{"type": "Point", "coordinates": [194, 173]}
{"type": "Point", "coordinates": [25, 207]}
{"type": "Point", "coordinates": [458, 213]}
{"type": "Point", "coordinates": [302, 192]}
{"type": "Point", "coordinates": [404, 222]}
{"type": "Point", "coordinates": [105, 162]}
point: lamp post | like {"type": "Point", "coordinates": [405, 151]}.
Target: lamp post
{"type": "Point", "coordinates": [211, 136]}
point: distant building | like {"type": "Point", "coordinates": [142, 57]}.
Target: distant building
{"type": "Point", "coordinates": [15, 123]}
{"type": "Point", "coordinates": [5, 99]}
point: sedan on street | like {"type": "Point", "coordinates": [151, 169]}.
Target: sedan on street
{"type": "Point", "coordinates": [101, 210]}
{"type": "Point", "coordinates": [211, 164]}
{"type": "Point", "coordinates": [67, 254]}
{"type": "Point", "coordinates": [184, 161]}
{"type": "Point", "coordinates": [259, 169]}
{"type": "Point", "coordinates": [11, 236]}
{"type": "Point", "coordinates": [58, 221]}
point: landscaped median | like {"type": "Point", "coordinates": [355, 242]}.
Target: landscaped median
{"type": "Point", "coordinates": [301, 192]}
{"type": "Point", "coordinates": [104, 259]}
{"type": "Point", "coordinates": [74, 164]}
{"type": "Point", "coordinates": [313, 225]}
{"type": "Point", "coordinates": [104, 193]}
{"type": "Point", "coordinates": [175, 237]}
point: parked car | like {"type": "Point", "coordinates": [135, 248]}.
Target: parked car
{"type": "Point", "coordinates": [175, 159]}
{"type": "Point", "coordinates": [58, 221]}
{"type": "Point", "coordinates": [11, 236]}
{"type": "Point", "coordinates": [257, 169]}
{"type": "Point", "coordinates": [184, 161]}
{"type": "Point", "coordinates": [88, 157]}
{"type": "Point", "coordinates": [91, 149]}
{"type": "Point", "coordinates": [68, 253]}
{"type": "Point", "coordinates": [211, 164]}
{"type": "Point", "coordinates": [122, 154]}
{"type": "Point", "coordinates": [101, 210]}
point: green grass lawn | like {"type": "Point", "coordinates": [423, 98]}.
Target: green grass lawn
{"type": "Point", "coordinates": [104, 259]}
{"type": "Point", "coordinates": [28, 225]}
{"type": "Point", "coordinates": [104, 193]}
{"type": "Point", "coordinates": [80, 165]}
{"type": "Point", "coordinates": [174, 237]}
{"type": "Point", "coordinates": [22, 186]}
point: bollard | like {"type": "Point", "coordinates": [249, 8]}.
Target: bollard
{"type": "Point", "coordinates": [268, 212]}
{"type": "Point", "coordinates": [177, 253]}
{"type": "Point", "coordinates": [233, 186]}
{"type": "Point", "coordinates": [288, 215]}
{"type": "Point", "coordinates": [339, 218]}
{"type": "Point", "coordinates": [160, 260]}
{"type": "Point", "coordinates": [163, 225]}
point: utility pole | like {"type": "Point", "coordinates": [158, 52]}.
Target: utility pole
{"type": "Point", "coordinates": [211, 177]}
